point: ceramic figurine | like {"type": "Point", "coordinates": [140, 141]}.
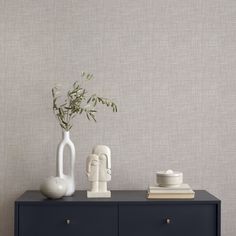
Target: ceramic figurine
{"type": "Point", "coordinates": [99, 171]}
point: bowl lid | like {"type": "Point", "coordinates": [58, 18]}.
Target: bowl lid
{"type": "Point", "coordinates": [169, 173]}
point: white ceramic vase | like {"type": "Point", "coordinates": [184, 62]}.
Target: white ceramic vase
{"type": "Point", "coordinates": [69, 179]}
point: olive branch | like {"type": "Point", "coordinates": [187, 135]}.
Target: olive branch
{"type": "Point", "coordinates": [76, 102]}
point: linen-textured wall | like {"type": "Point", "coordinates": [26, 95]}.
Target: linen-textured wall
{"type": "Point", "coordinates": [168, 64]}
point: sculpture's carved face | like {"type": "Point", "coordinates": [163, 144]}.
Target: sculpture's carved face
{"type": "Point", "coordinates": [104, 174]}
{"type": "Point", "coordinates": [92, 167]}
{"type": "Point", "coordinates": [104, 154]}
{"type": "Point", "coordinates": [99, 164]}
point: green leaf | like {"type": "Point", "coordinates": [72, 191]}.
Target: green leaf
{"type": "Point", "coordinates": [95, 102]}
{"type": "Point", "coordinates": [87, 116]}
{"type": "Point", "coordinates": [93, 117]}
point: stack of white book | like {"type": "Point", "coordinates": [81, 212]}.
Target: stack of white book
{"type": "Point", "coordinates": [182, 191]}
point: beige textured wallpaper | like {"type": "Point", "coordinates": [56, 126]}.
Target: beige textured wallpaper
{"type": "Point", "coordinates": [169, 64]}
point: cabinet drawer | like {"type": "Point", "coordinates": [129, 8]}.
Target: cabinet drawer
{"type": "Point", "coordinates": [191, 220]}
{"type": "Point", "coordinates": [69, 220]}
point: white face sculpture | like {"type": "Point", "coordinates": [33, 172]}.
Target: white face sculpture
{"type": "Point", "coordinates": [99, 164]}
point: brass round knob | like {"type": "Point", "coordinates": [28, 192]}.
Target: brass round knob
{"type": "Point", "coordinates": [168, 221]}
{"type": "Point", "coordinates": [67, 221]}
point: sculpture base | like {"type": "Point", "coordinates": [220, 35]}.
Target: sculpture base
{"type": "Point", "coordinates": [91, 194]}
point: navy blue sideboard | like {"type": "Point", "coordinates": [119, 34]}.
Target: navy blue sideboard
{"type": "Point", "coordinates": [126, 213]}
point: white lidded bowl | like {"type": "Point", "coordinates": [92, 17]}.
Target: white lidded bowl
{"type": "Point", "coordinates": [169, 178]}
{"type": "Point", "coordinates": [54, 187]}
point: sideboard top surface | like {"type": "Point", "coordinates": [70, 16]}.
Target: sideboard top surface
{"type": "Point", "coordinates": [201, 196]}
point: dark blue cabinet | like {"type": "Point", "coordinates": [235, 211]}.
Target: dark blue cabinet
{"type": "Point", "coordinates": [126, 213]}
